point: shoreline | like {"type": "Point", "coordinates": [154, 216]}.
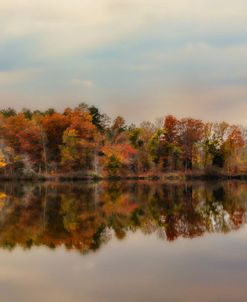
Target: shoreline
{"type": "Point", "coordinates": [173, 176]}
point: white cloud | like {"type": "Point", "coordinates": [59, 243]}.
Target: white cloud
{"type": "Point", "coordinates": [10, 78]}
{"type": "Point", "coordinates": [68, 26]}
{"type": "Point", "coordinates": [82, 83]}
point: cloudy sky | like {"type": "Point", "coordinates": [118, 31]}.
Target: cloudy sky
{"type": "Point", "coordinates": [140, 58]}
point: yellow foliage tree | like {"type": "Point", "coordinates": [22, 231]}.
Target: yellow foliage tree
{"type": "Point", "coordinates": [2, 160]}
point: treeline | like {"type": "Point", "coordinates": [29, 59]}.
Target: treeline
{"type": "Point", "coordinates": [83, 141]}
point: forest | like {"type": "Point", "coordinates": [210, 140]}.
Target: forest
{"type": "Point", "coordinates": [83, 143]}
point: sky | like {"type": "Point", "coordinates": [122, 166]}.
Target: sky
{"type": "Point", "coordinates": [142, 59]}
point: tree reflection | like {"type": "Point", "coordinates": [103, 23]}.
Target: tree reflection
{"type": "Point", "coordinates": [85, 216]}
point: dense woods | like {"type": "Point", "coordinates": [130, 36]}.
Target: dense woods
{"type": "Point", "coordinates": [83, 142]}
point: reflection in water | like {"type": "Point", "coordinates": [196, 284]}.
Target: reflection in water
{"type": "Point", "coordinates": [83, 217]}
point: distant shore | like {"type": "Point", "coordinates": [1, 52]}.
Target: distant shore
{"type": "Point", "coordinates": [191, 175]}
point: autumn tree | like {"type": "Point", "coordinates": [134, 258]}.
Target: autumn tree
{"type": "Point", "coordinates": [156, 147]}
{"type": "Point", "coordinates": [54, 126]}
{"type": "Point", "coordinates": [3, 162]}
{"type": "Point", "coordinates": [139, 138]}
{"type": "Point", "coordinates": [24, 137]}
{"type": "Point", "coordinates": [190, 133]}
{"type": "Point", "coordinates": [223, 144]}
{"type": "Point", "coordinates": [71, 150]}
{"type": "Point", "coordinates": [31, 144]}
{"type": "Point", "coordinates": [118, 126]}
{"type": "Point", "coordinates": [77, 149]}
{"type": "Point", "coordinates": [233, 144]}
{"type": "Point", "coordinates": [12, 129]}
{"type": "Point", "coordinates": [119, 152]}
{"type": "Point", "coordinates": [170, 139]}
{"type": "Point", "coordinates": [118, 157]}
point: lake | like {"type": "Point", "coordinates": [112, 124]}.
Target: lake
{"type": "Point", "coordinates": [117, 242]}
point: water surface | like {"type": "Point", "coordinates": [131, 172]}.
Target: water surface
{"type": "Point", "coordinates": [133, 241]}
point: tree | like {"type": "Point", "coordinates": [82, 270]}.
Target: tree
{"type": "Point", "coordinates": [171, 129]}
{"type": "Point", "coordinates": [27, 113]}
{"type": "Point", "coordinates": [139, 139]}
{"type": "Point", "coordinates": [232, 145]}
{"type": "Point", "coordinates": [31, 144]}
{"type": "Point", "coordinates": [8, 112]}
{"type": "Point", "coordinates": [101, 121]}
{"type": "Point", "coordinates": [134, 136]}
{"type": "Point", "coordinates": [3, 162]}
{"type": "Point", "coordinates": [118, 157]}
{"type": "Point", "coordinates": [190, 133]}
{"type": "Point", "coordinates": [171, 140]}
{"type": "Point", "coordinates": [118, 127]}
{"type": "Point", "coordinates": [156, 147]}
{"type": "Point", "coordinates": [71, 150]}
{"type": "Point", "coordinates": [12, 128]}
{"type": "Point", "coordinates": [54, 126]}
{"type": "Point", "coordinates": [223, 143]}
{"type": "Point", "coordinates": [81, 121]}
{"type": "Point", "coordinates": [113, 165]}
{"type": "Point", "coordinates": [79, 141]}
{"type": "Point", "coordinates": [50, 111]}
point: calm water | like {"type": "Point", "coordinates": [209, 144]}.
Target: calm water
{"type": "Point", "coordinates": [116, 242]}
